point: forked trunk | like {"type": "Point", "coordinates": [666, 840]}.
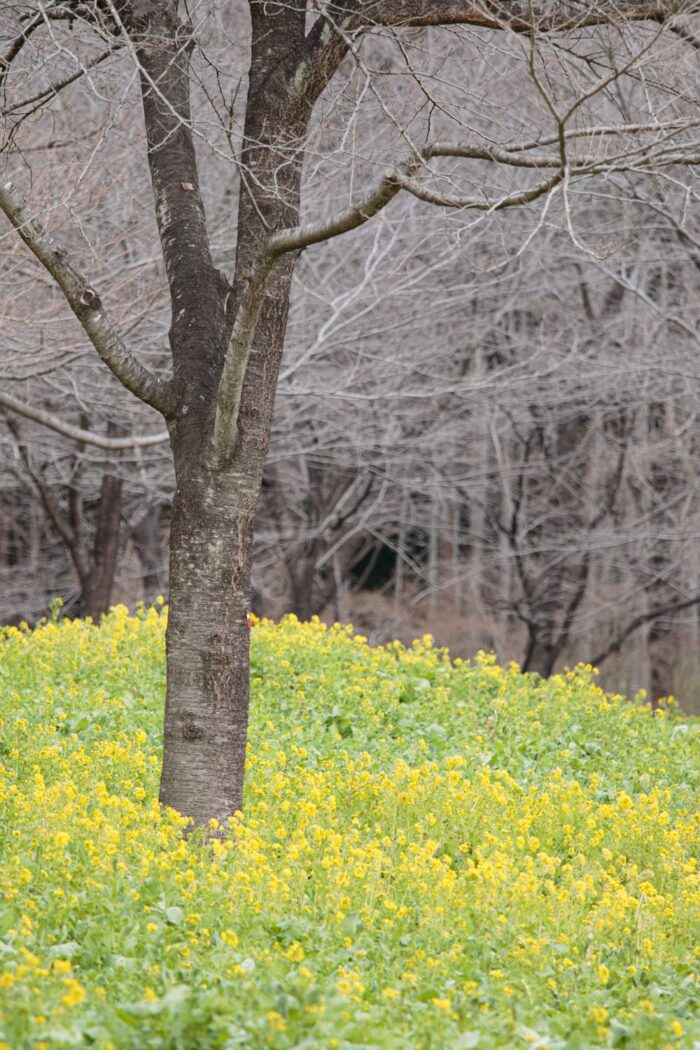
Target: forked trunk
{"type": "Point", "coordinates": [207, 648]}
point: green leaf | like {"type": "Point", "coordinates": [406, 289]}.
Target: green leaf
{"type": "Point", "coordinates": [176, 996]}
{"type": "Point", "coordinates": [132, 1013]}
{"type": "Point", "coordinates": [466, 1041]}
{"type": "Point", "coordinates": [69, 950]}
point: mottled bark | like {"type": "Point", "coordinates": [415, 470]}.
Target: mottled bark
{"type": "Point", "coordinates": [214, 506]}
{"type": "Point", "coordinates": [207, 647]}
{"type": "Point", "coordinates": [661, 650]}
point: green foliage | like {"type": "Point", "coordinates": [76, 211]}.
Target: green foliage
{"type": "Point", "coordinates": [433, 855]}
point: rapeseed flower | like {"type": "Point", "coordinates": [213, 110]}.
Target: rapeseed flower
{"type": "Point", "coordinates": [430, 852]}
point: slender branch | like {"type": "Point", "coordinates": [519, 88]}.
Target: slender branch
{"type": "Point", "coordinates": [510, 155]}
{"type": "Point", "coordinates": [687, 36]}
{"type": "Point", "coordinates": [474, 203]}
{"type": "Point", "coordinates": [16, 46]}
{"type": "Point", "coordinates": [85, 304]}
{"type": "Point", "coordinates": [38, 415]}
{"type": "Point", "coordinates": [600, 131]}
{"type": "Point", "coordinates": [328, 40]}
{"type": "Point", "coordinates": [546, 16]}
{"type": "Point", "coordinates": [639, 621]}
{"type": "Point", "coordinates": [53, 89]}
{"type": "Point", "coordinates": [395, 179]}
{"type": "Point", "coordinates": [300, 237]}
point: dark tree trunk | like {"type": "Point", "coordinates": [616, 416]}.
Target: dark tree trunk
{"type": "Point", "coordinates": [147, 540]}
{"type": "Point", "coordinates": [214, 507]}
{"type": "Point", "coordinates": [661, 646]}
{"type": "Point", "coordinates": [302, 598]}
{"type": "Point", "coordinates": [541, 657]}
{"type": "Point", "coordinates": [99, 582]}
{"type": "Point", "coordinates": [207, 647]}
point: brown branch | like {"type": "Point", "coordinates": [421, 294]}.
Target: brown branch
{"type": "Point", "coordinates": [521, 16]}
{"type": "Point", "coordinates": [85, 304]}
{"type": "Point", "coordinates": [46, 419]}
{"type": "Point", "coordinates": [638, 622]}
{"type": "Point", "coordinates": [328, 40]}
{"type": "Point", "coordinates": [162, 47]}
{"type": "Point", "coordinates": [278, 243]}
{"type": "Point", "coordinates": [53, 89]}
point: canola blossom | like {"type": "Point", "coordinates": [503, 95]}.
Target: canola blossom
{"type": "Point", "coordinates": [433, 854]}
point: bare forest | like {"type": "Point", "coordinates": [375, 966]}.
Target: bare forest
{"type": "Point", "coordinates": [473, 229]}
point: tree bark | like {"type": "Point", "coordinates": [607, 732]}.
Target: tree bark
{"type": "Point", "coordinates": [541, 657]}
{"type": "Point", "coordinates": [211, 541]}
{"type": "Point", "coordinates": [99, 582]}
{"type": "Point", "coordinates": [146, 537]}
{"type": "Point", "coordinates": [208, 646]}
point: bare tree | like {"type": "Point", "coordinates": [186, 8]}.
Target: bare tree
{"type": "Point", "coordinates": [226, 334]}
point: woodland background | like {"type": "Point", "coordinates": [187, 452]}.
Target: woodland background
{"type": "Point", "coordinates": [486, 429]}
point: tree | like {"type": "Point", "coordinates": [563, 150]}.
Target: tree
{"type": "Point", "coordinates": [226, 335]}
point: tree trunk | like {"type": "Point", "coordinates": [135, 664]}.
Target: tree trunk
{"type": "Point", "coordinates": [98, 584]}
{"type": "Point", "coordinates": [146, 537]}
{"type": "Point", "coordinates": [661, 654]}
{"type": "Point", "coordinates": [540, 657]}
{"type": "Point", "coordinates": [207, 647]}
{"type": "Point", "coordinates": [301, 587]}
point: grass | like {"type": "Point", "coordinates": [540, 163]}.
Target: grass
{"type": "Point", "coordinates": [432, 855]}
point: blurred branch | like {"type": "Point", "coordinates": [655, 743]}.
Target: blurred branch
{"type": "Point", "coordinates": [46, 419]}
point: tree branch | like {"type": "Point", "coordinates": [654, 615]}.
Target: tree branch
{"type": "Point", "coordinates": [46, 419]}
{"type": "Point", "coordinates": [85, 304]}
{"type": "Point", "coordinates": [279, 243]}
{"type": "Point", "coordinates": [162, 46]}
{"type": "Point", "coordinates": [300, 237]}
{"type": "Point", "coordinates": [474, 203]}
{"type": "Point", "coordinates": [521, 16]}
{"type": "Point", "coordinates": [639, 621]}
{"type": "Point", "coordinates": [54, 89]}
{"type": "Point", "coordinates": [328, 40]}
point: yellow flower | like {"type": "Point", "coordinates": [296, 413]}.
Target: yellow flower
{"type": "Point", "coordinates": [442, 1004]}
{"type": "Point", "coordinates": [276, 1021]}
{"type": "Point", "coordinates": [603, 974]}
{"type": "Point", "coordinates": [75, 993]}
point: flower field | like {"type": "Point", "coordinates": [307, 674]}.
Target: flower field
{"type": "Point", "coordinates": [432, 855]}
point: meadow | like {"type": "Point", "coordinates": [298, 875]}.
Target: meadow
{"type": "Point", "coordinates": [433, 854]}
